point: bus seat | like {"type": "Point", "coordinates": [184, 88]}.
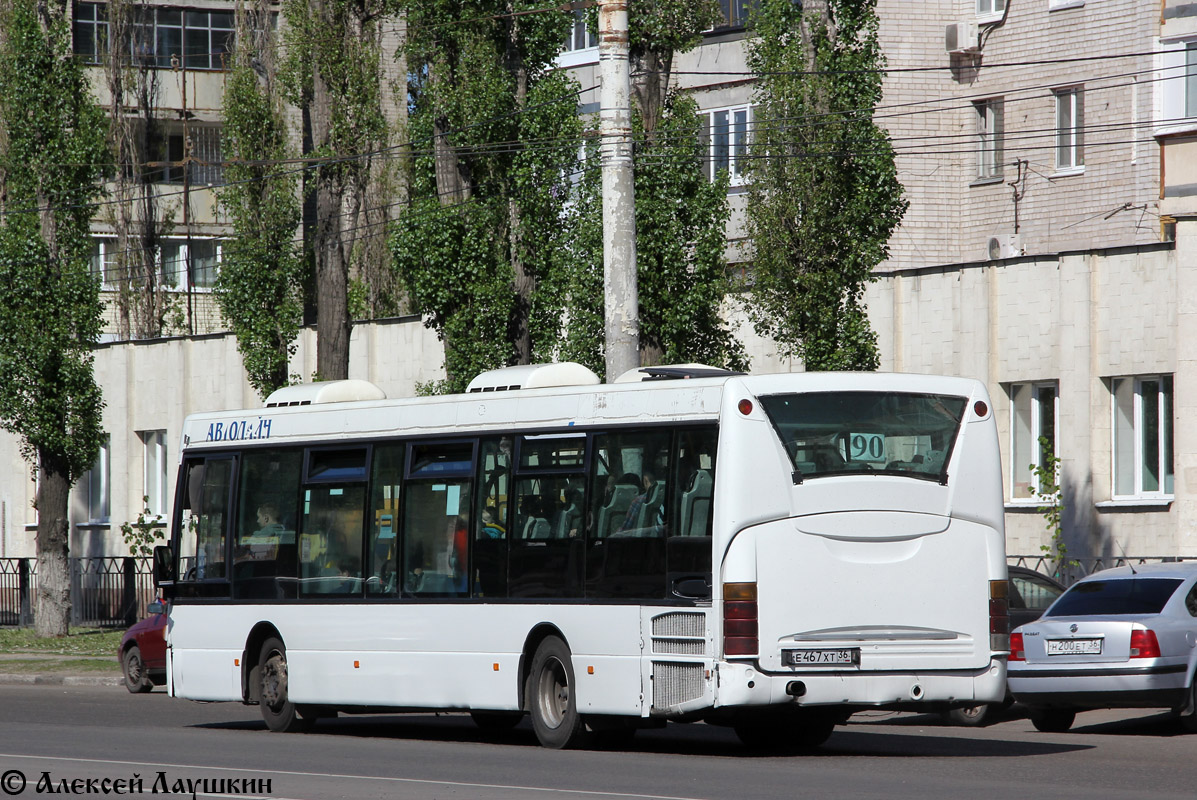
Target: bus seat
{"type": "Point", "coordinates": [537, 528]}
{"type": "Point", "coordinates": [650, 511]}
{"type": "Point", "coordinates": [696, 504]}
{"type": "Point", "coordinates": [612, 515]}
{"type": "Point", "coordinates": [565, 520]}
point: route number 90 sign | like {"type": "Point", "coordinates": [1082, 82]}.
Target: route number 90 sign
{"type": "Point", "coordinates": [866, 447]}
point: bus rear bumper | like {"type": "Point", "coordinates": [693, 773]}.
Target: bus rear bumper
{"type": "Point", "coordinates": [742, 684]}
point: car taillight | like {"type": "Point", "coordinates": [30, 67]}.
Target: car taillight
{"type": "Point", "coordinates": [739, 619]}
{"type": "Point", "coordinates": [1143, 644]}
{"type": "Point", "coordinates": [1016, 649]}
{"type": "Point", "coordinates": [999, 615]}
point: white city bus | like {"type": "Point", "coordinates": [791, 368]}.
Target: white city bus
{"type": "Point", "coordinates": [768, 552]}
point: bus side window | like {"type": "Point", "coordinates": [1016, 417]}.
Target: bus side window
{"type": "Point", "coordinates": [203, 532]}
{"type": "Point", "coordinates": [264, 543]}
{"type": "Point", "coordinates": [491, 531]}
{"type": "Point", "coordinates": [689, 548]}
{"type": "Point", "coordinates": [382, 549]}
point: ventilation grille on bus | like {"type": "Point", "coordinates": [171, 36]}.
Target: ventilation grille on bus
{"type": "Point", "coordinates": [674, 684]}
{"type": "Point", "coordinates": [680, 634]}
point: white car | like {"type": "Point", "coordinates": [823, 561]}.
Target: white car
{"type": "Point", "coordinates": [1122, 638]}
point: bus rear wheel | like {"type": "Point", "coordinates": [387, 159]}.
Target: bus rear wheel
{"type": "Point", "coordinates": [279, 713]}
{"type": "Point", "coordinates": [551, 698]}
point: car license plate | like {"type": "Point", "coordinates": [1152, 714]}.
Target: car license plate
{"type": "Point", "coordinates": [821, 658]}
{"type": "Point", "coordinates": [1074, 647]}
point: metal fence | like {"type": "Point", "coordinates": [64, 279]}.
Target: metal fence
{"type": "Point", "coordinates": [105, 591]}
{"type": "Point", "coordinates": [1075, 568]}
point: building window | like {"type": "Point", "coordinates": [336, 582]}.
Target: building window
{"type": "Point", "coordinates": [161, 36]}
{"type": "Point", "coordinates": [91, 32]}
{"type": "Point", "coordinates": [990, 132]}
{"type": "Point", "coordinates": [98, 489]}
{"type": "Point", "coordinates": [727, 142]}
{"type": "Point", "coordinates": [1070, 124]}
{"type": "Point", "coordinates": [1033, 411]}
{"type": "Point", "coordinates": [735, 13]}
{"type": "Point", "coordinates": [580, 37]}
{"type": "Point", "coordinates": [990, 8]}
{"type": "Point", "coordinates": [155, 482]}
{"type": "Point", "coordinates": [1191, 79]}
{"type": "Point", "coordinates": [189, 264]}
{"type": "Point", "coordinates": [204, 167]}
{"type": "Point", "coordinates": [1142, 421]}
{"type": "Point", "coordinates": [103, 260]}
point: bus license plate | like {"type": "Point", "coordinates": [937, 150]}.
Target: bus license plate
{"type": "Point", "coordinates": [1074, 647]}
{"type": "Point", "coordinates": [821, 658]}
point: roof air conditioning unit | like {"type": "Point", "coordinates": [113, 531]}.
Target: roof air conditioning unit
{"type": "Point", "coordinates": [1007, 245]}
{"type": "Point", "coordinates": [962, 37]}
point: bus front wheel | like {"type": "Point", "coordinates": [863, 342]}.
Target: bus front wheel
{"type": "Point", "coordinates": [551, 698]}
{"type": "Point", "coordinates": [278, 711]}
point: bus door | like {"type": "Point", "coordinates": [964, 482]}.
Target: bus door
{"type": "Point", "coordinates": [201, 528]}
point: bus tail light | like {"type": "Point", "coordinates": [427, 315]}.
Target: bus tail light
{"type": "Point", "coordinates": [1143, 644]}
{"type": "Point", "coordinates": [999, 615]}
{"type": "Point", "coordinates": [740, 619]}
{"type": "Point", "coordinates": [1017, 653]}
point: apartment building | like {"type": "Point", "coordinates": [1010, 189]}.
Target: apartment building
{"type": "Point", "coordinates": [1049, 153]}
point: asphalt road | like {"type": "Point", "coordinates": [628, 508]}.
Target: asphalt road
{"type": "Point", "coordinates": [72, 734]}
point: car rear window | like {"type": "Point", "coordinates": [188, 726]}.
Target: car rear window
{"type": "Point", "coordinates": [1122, 596]}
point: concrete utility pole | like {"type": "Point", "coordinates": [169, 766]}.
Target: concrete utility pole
{"type": "Point", "coordinates": [621, 297]}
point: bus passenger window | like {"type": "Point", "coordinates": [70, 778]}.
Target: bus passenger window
{"type": "Point", "coordinates": [330, 540]}
{"type": "Point", "coordinates": [435, 538]}
{"type": "Point", "coordinates": [491, 509]}
{"type": "Point", "coordinates": [264, 542]}
{"type": "Point", "coordinates": [382, 549]}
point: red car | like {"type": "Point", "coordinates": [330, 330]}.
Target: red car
{"type": "Point", "coordinates": [142, 652]}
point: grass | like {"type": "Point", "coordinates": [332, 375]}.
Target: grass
{"type": "Point", "coordinates": [82, 642]}
{"type": "Point", "coordinates": [25, 666]}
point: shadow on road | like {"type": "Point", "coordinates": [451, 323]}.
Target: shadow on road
{"type": "Point", "coordinates": [694, 739]}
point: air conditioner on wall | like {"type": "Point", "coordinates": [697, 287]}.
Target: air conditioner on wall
{"type": "Point", "coordinates": [1007, 245]}
{"type": "Point", "coordinates": [961, 37]}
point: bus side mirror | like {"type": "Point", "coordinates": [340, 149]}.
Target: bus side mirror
{"type": "Point", "coordinates": [164, 568]}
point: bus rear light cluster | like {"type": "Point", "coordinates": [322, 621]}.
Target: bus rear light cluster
{"type": "Point", "coordinates": [740, 619]}
{"type": "Point", "coordinates": [999, 615]}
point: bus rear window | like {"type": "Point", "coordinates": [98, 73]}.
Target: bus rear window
{"type": "Point", "coordinates": [1123, 596]}
{"type": "Point", "coordinates": [886, 433]}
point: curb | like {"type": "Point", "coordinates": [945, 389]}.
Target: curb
{"type": "Point", "coordinates": [60, 680]}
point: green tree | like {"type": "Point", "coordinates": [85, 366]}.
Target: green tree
{"type": "Point", "coordinates": [497, 136]}
{"type": "Point", "coordinates": [823, 196]}
{"type": "Point", "coordinates": [52, 151]}
{"type": "Point", "coordinates": [261, 278]}
{"type": "Point", "coordinates": [681, 216]}
{"type": "Point", "coordinates": [333, 74]}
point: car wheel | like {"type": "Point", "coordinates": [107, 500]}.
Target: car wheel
{"type": "Point", "coordinates": [137, 678]}
{"type": "Point", "coordinates": [1052, 720]}
{"type": "Point", "coordinates": [969, 716]}
{"type": "Point", "coordinates": [1189, 721]}
{"type": "Point", "coordinates": [496, 721]}
{"type": "Point", "coordinates": [278, 711]}
{"type": "Point", "coordinates": [551, 697]}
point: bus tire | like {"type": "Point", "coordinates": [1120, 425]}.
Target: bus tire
{"type": "Point", "coordinates": [278, 711]}
{"type": "Point", "coordinates": [551, 697]}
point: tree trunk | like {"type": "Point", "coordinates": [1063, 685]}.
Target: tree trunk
{"type": "Point", "coordinates": [332, 267]}
{"type": "Point", "coordinates": [53, 614]}
{"type": "Point", "coordinates": [524, 282]}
